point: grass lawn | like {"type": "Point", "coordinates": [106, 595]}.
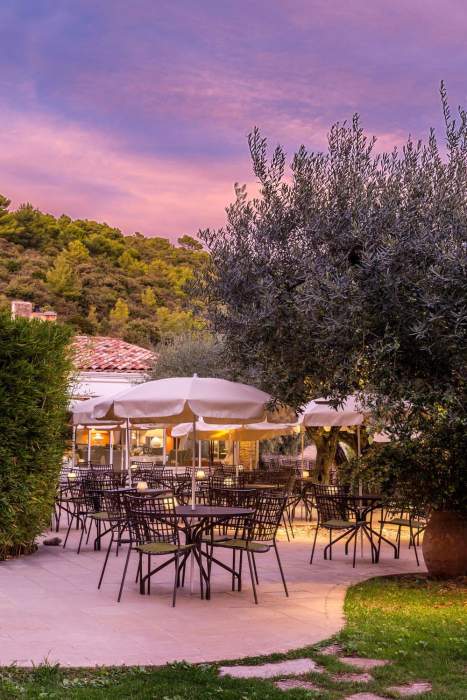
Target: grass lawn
{"type": "Point", "coordinates": [420, 625]}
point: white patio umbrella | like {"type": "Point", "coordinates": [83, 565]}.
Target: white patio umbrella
{"type": "Point", "coordinates": [320, 413]}
{"type": "Point", "coordinates": [248, 432]}
{"type": "Point", "coordinates": [181, 399]}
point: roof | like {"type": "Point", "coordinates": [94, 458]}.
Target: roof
{"type": "Point", "coordinates": [103, 354]}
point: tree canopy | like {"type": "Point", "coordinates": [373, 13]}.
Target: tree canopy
{"type": "Point", "coordinates": [347, 274]}
{"type": "Point", "coordinates": [97, 279]}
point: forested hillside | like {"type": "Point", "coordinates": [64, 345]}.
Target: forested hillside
{"type": "Point", "coordinates": [97, 279]}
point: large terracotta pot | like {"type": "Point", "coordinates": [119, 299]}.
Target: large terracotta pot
{"type": "Point", "coordinates": [445, 544]}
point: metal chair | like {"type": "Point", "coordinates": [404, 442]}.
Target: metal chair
{"type": "Point", "coordinates": [401, 514]}
{"type": "Point", "coordinates": [335, 513]}
{"type": "Point", "coordinates": [257, 535]}
{"type": "Point", "coordinates": [153, 531]}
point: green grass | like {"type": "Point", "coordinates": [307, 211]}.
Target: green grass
{"type": "Point", "coordinates": [420, 625]}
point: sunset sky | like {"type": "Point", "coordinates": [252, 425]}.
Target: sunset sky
{"type": "Point", "coordinates": [136, 112]}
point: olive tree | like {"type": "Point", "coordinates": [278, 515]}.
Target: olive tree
{"type": "Point", "coordinates": [347, 274]}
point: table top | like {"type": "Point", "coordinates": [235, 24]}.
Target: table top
{"type": "Point", "coordinates": [200, 511]}
{"type": "Point", "coordinates": [133, 489]}
{"type": "Point", "coordinates": [269, 487]}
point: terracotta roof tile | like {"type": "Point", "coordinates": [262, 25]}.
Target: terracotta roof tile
{"type": "Point", "coordinates": [103, 354]}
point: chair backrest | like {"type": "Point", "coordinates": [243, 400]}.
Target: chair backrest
{"type": "Point", "coordinates": [151, 518]}
{"type": "Point", "coordinates": [267, 518]}
{"type": "Point", "coordinates": [234, 497]}
{"type": "Point", "coordinates": [331, 502]}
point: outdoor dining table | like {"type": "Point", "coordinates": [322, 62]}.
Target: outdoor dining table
{"type": "Point", "coordinates": [202, 519]}
{"type": "Point", "coordinates": [363, 505]}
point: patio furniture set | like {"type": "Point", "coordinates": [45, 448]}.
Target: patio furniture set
{"type": "Point", "coordinates": [237, 514]}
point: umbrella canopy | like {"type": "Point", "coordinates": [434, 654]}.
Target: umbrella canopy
{"type": "Point", "coordinates": [181, 399]}
{"type": "Point", "coordinates": [251, 431]}
{"type": "Point", "coordinates": [320, 413]}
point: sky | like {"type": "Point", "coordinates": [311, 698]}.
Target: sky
{"type": "Point", "coordinates": [137, 112]}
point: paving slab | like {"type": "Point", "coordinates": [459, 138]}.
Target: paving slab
{"type": "Point", "coordinates": [353, 677]}
{"type": "Point", "coordinates": [365, 696]}
{"type": "Point", "coordinates": [331, 650]}
{"type": "Point", "coordinates": [50, 606]}
{"type": "Point", "coordinates": [364, 664]}
{"type": "Point", "coordinates": [290, 667]}
{"type": "Point", "coordinates": [411, 689]}
{"type": "Point", "coordinates": [293, 684]}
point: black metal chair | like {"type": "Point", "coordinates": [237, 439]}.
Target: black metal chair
{"type": "Point", "coordinates": [335, 513]}
{"type": "Point", "coordinates": [400, 514]}
{"type": "Point", "coordinates": [256, 535]}
{"type": "Point", "coordinates": [153, 531]}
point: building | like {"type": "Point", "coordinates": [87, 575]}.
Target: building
{"type": "Point", "coordinates": [105, 366]}
{"type": "Point", "coordinates": [25, 309]}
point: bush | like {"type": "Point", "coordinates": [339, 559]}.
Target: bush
{"type": "Point", "coordinates": [35, 370]}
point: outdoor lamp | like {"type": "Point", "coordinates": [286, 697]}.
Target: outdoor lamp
{"type": "Point", "coordinates": [141, 486]}
{"type": "Point", "coordinates": [200, 474]}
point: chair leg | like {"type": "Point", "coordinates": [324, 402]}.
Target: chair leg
{"type": "Point", "coordinates": [138, 571]}
{"type": "Point", "coordinates": [355, 547]}
{"type": "Point", "coordinates": [124, 573]}
{"type": "Point", "coordinates": [314, 544]}
{"type": "Point", "coordinates": [82, 534]}
{"type": "Point", "coordinates": [280, 569]}
{"type": "Point", "coordinates": [255, 569]}
{"type": "Point", "coordinates": [414, 544]}
{"type": "Point", "coordinates": [252, 576]}
{"type": "Point", "coordinates": [149, 576]}
{"type": "Point", "coordinates": [233, 569]}
{"type": "Point", "coordinates": [285, 527]}
{"type": "Point", "coordinates": [105, 560]}
{"type": "Point", "coordinates": [174, 592]}
{"type": "Point", "coordinates": [240, 565]}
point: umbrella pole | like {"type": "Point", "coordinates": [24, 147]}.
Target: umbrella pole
{"type": "Point", "coordinates": [73, 448]}
{"type": "Point", "coordinates": [127, 451]}
{"type": "Point", "coordinates": [193, 467]}
{"type": "Point", "coordinates": [176, 451]}
{"type": "Point", "coordinates": [199, 455]}
{"type": "Point", "coordinates": [89, 447]}
{"type": "Point", "coordinates": [164, 446]}
{"type": "Point", "coordinates": [111, 448]}
{"type": "Point", "coordinates": [303, 448]}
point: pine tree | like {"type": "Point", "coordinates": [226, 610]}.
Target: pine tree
{"type": "Point", "coordinates": [120, 313]}
{"type": "Point", "coordinates": [148, 298]}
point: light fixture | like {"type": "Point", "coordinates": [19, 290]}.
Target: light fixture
{"type": "Point", "coordinates": [200, 474]}
{"type": "Point", "coordinates": [228, 481]}
{"type": "Point", "coordinates": [141, 486]}
{"type": "Point", "coordinates": [306, 474]}
{"type": "Point", "coordinates": [71, 475]}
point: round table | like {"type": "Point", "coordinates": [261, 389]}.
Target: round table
{"type": "Point", "coordinates": [206, 518]}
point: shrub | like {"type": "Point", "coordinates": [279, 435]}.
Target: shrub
{"type": "Point", "coordinates": [35, 369]}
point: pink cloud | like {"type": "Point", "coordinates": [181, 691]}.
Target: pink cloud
{"type": "Point", "coordinates": [63, 168]}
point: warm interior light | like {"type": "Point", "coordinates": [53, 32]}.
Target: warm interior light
{"type": "Point", "coordinates": [228, 481]}
{"type": "Point", "coordinates": [327, 428]}
{"type": "Point", "coordinates": [98, 436]}
{"type": "Point", "coordinates": [306, 473]}
{"type": "Point", "coordinates": [71, 475]}
{"type": "Point", "coordinates": [200, 474]}
{"type": "Point", "coordinates": [240, 467]}
{"type": "Point", "coordinates": [141, 486]}
{"type": "Point", "coordinates": [134, 467]}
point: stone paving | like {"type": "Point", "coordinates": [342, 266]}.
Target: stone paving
{"type": "Point", "coordinates": [50, 607]}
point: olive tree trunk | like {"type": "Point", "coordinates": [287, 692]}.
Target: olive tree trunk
{"type": "Point", "coordinates": [326, 442]}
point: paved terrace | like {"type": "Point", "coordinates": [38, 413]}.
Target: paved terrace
{"type": "Point", "coordinates": [50, 607]}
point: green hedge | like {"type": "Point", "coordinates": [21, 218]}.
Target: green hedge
{"type": "Point", "coordinates": [35, 371]}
